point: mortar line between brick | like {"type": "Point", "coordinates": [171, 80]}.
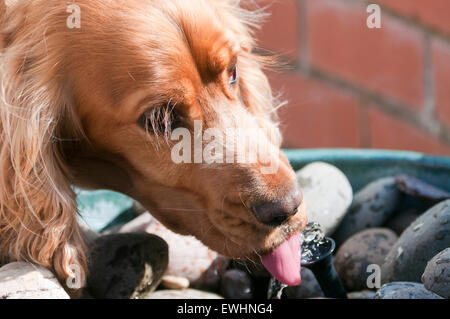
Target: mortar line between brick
{"type": "Point", "coordinates": [390, 107]}
{"type": "Point", "coordinates": [411, 21]}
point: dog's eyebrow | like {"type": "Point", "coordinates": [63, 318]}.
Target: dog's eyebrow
{"type": "Point", "coordinates": [212, 53]}
{"type": "Point", "coordinates": [154, 100]}
{"type": "Point", "coordinates": [151, 101]}
{"type": "Point", "coordinates": [216, 62]}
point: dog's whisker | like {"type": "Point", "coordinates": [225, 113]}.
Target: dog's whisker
{"type": "Point", "coordinates": [242, 201]}
{"type": "Point", "coordinates": [225, 245]}
{"type": "Point", "coordinates": [131, 76]}
{"type": "Point", "coordinates": [245, 265]}
{"type": "Point", "coordinates": [223, 203]}
{"type": "Point", "coordinates": [254, 250]}
{"type": "Point", "coordinates": [202, 229]}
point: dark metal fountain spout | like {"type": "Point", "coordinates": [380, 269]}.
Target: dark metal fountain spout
{"type": "Point", "coordinates": [317, 255]}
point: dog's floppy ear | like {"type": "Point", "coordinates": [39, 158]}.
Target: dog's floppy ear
{"type": "Point", "coordinates": [5, 26]}
{"type": "Point", "coordinates": [37, 204]}
{"type": "Point", "coordinates": [2, 9]}
{"type": "Point", "coordinates": [2, 21]}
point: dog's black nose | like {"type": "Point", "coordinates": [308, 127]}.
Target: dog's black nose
{"type": "Point", "coordinates": [274, 213]}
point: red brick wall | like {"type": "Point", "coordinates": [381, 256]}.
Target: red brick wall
{"type": "Point", "coordinates": [351, 86]}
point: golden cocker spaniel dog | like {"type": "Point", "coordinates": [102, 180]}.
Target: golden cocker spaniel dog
{"type": "Point", "coordinates": [93, 104]}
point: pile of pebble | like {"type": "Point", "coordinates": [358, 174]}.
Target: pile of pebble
{"type": "Point", "coordinates": [392, 236]}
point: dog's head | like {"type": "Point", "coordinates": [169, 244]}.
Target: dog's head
{"type": "Point", "coordinates": [136, 85]}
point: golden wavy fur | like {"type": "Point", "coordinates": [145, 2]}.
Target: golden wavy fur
{"type": "Point", "coordinates": [70, 103]}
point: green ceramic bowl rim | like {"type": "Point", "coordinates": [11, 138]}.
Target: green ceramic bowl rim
{"type": "Point", "coordinates": [349, 154]}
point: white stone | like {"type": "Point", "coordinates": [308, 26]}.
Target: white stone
{"type": "Point", "coordinates": [327, 194]}
{"type": "Point", "coordinates": [21, 280]}
{"type": "Point", "coordinates": [175, 282]}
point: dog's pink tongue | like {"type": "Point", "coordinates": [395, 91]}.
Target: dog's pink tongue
{"type": "Point", "coordinates": [284, 262]}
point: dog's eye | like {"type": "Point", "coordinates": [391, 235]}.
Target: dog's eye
{"type": "Point", "coordinates": [233, 75]}
{"type": "Point", "coordinates": [160, 120]}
